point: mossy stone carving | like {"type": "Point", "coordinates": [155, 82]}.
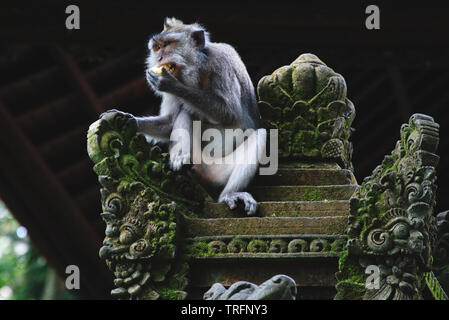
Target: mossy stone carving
{"type": "Point", "coordinates": [142, 201]}
{"type": "Point", "coordinates": [441, 255]}
{"type": "Point", "coordinates": [391, 222]}
{"type": "Point", "coordinates": [306, 101]}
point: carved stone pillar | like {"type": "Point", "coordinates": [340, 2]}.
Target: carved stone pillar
{"type": "Point", "coordinates": [303, 208]}
{"type": "Point", "coordinates": [306, 101]}
{"type": "Point", "coordinates": [392, 225]}
{"type": "Point", "coordinates": [441, 258]}
{"type": "Point", "coordinates": [142, 201]}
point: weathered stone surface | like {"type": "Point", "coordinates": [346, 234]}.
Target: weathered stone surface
{"type": "Point", "coordinates": [392, 223]}
{"type": "Point", "coordinates": [270, 256]}
{"type": "Point", "coordinates": [265, 225]}
{"type": "Point", "coordinates": [304, 193]}
{"type": "Point", "coordinates": [441, 252]}
{"type": "Point", "coordinates": [264, 246]}
{"type": "Point", "coordinates": [306, 101]}
{"type": "Point", "coordinates": [282, 209]}
{"type": "Point", "coordinates": [300, 176]}
{"type": "Point", "coordinates": [313, 164]}
{"type": "Point", "coordinates": [142, 199]}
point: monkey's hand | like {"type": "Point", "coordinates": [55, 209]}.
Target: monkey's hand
{"type": "Point", "coordinates": [117, 111]}
{"type": "Point", "coordinates": [232, 199]}
{"type": "Point", "coordinates": [164, 82]}
{"type": "Point", "coordinates": [178, 160]}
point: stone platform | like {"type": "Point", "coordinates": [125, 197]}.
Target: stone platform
{"type": "Point", "coordinates": [299, 230]}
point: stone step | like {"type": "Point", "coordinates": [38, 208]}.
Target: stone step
{"type": "Point", "coordinates": [282, 209]}
{"type": "Point", "coordinates": [197, 227]}
{"type": "Point", "coordinates": [303, 193]}
{"type": "Point", "coordinates": [306, 176]}
{"type": "Point", "coordinates": [309, 165]}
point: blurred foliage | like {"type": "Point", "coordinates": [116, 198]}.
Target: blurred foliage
{"type": "Point", "coordinates": [24, 274]}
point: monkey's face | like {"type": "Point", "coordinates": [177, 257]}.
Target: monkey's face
{"type": "Point", "coordinates": [178, 53]}
{"type": "Point", "coordinates": [167, 51]}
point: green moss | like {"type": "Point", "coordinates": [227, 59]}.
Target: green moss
{"type": "Point", "coordinates": [350, 269]}
{"type": "Point", "coordinates": [306, 143]}
{"type": "Point", "coordinates": [169, 294]}
{"type": "Point", "coordinates": [313, 195]}
{"type": "Point", "coordinates": [198, 249]}
{"type": "Point", "coordinates": [257, 245]}
{"type": "Point", "coordinates": [337, 245]}
{"type": "Point", "coordinates": [349, 291]}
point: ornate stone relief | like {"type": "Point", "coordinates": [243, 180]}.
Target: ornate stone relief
{"type": "Point", "coordinates": [391, 224]}
{"type": "Point", "coordinates": [142, 201]}
{"type": "Point", "coordinates": [307, 102]}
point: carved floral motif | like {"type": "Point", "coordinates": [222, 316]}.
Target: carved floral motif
{"type": "Point", "coordinates": [307, 102]}
{"type": "Point", "coordinates": [256, 245]}
{"type": "Point", "coordinates": [391, 223]}
{"type": "Point", "coordinates": [142, 201]}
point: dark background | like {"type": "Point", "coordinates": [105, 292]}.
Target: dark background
{"type": "Point", "coordinates": [55, 82]}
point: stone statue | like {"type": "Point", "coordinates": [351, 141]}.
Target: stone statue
{"type": "Point", "coordinates": [142, 200]}
{"type": "Point", "coordinates": [279, 287]}
{"type": "Point", "coordinates": [306, 101]}
{"type": "Point", "coordinates": [392, 224]}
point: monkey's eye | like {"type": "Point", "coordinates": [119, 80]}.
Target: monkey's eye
{"type": "Point", "coordinates": [156, 47]}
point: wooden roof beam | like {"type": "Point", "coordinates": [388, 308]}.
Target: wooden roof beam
{"type": "Point", "coordinates": [78, 80]}
{"type": "Point", "coordinates": [47, 210]}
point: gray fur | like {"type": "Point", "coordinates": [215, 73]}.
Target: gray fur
{"type": "Point", "coordinates": [212, 86]}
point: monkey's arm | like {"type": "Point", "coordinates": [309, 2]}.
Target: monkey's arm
{"type": "Point", "coordinates": [216, 106]}
{"type": "Point", "coordinates": [158, 127]}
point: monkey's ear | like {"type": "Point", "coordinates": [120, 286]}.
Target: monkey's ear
{"type": "Point", "coordinates": [167, 23]}
{"type": "Point", "coordinates": [171, 23]}
{"type": "Point", "coordinates": [199, 38]}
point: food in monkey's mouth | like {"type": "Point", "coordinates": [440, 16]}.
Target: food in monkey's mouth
{"type": "Point", "coordinates": [158, 69]}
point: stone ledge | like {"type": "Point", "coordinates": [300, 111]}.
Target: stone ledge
{"type": "Point", "coordinates": [282, 209]}
{"type": "Point", "coordinates": [265, 225]}
{"type": "Point", "coordinates": [306, 176]}
{"type": "Point", "coordinates": [304, 193]}
{"type": "Point", "coordinates": [297, 255]}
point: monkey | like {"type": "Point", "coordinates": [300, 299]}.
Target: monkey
{"type": "Point", "coordinates": [205, 81]}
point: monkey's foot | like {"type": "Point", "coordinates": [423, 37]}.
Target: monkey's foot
{"type": "Point", "coordinates": [178, 160]}
{"type": "Point", "coordinates": [233, 198]}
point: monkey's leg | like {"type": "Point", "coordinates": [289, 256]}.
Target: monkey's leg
{"type": "Point", "coordinates": [181, 140]}
{"type": "Point", "coordinates": [240, 173]}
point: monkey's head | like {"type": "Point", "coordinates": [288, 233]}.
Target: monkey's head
{"type": "Point", "coordinates": [179, 49]}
